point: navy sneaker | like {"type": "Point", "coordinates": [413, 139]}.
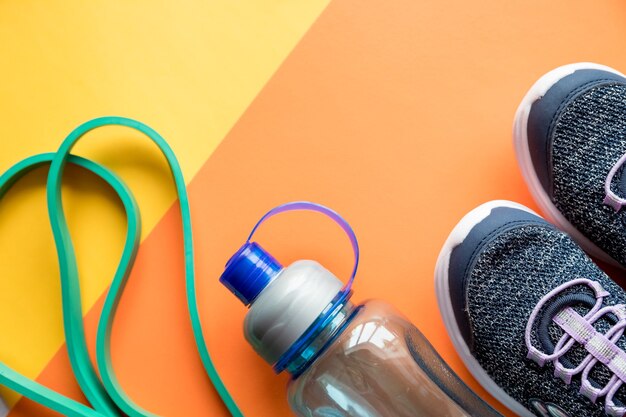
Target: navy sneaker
{"type": "Point", "coordinates": [570, 142]}
{"type": "Point", "coordinates": [536, 322]}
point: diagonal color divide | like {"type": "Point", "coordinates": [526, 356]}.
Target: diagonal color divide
{"type": "Point", "coordinates": [188, 69]}
{"type": "Point", "coordinates": [398, 115]}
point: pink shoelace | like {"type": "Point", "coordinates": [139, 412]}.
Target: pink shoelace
{"type": "Point", "coordinates": [601, 347]}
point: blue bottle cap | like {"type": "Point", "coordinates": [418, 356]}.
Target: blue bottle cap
{"type": "Point", "coordinates": [249, 271]}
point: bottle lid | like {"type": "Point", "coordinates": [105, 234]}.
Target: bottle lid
{"type": "Point", "coordinates": [286, 316]}
{"type": "Point", "coordinates": [249, 271]}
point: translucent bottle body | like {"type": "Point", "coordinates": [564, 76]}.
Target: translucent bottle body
{"type": "Point", "coordinates": [378, 364]}
{"type": "Point", "coordinates": [4, 410]}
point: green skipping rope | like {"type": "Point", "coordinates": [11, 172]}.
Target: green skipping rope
{"type": "Point", "coordinates": [105, 394]}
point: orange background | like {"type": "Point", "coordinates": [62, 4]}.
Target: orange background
{"type": "Point", "coordinates": [398, 115]}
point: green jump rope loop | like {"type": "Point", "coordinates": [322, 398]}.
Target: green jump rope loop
{"type": "Point", "coordinates": [104, 393]}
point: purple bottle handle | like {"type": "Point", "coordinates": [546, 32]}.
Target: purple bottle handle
{"type": "Point", "coordinates": [308, 206]}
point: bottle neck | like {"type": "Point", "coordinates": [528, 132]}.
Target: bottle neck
{"type": "Point", "coordinates": [320, 342]}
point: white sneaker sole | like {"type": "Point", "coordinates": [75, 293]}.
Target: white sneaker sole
{"type": "Point", "coordinates": [522, 153]}
{"type": "Point", "coordinates": [442, 289]}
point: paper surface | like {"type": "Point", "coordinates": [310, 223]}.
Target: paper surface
{"type": "Point", "coordinates": [396, 114]}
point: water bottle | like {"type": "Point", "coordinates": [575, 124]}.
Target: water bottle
{"type": "Point", "coordinates": [345, 359]}
{"type": "Point", "coordinates": [4, 410]}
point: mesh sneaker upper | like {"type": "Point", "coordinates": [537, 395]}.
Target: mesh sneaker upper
{"type": "Point", "coordinates": [588, 137]}
{"type": "Point", "coordinates": [507, 279]}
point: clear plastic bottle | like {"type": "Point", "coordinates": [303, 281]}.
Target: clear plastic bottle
{"type": "Point", "coordinates": [4, 410]}
{"type": "Point", "coordinates": [346, 360]}
{"type": "Point", "coordinates": [380, 365]}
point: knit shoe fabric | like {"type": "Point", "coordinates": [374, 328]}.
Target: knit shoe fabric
{"type": "Point", "coordinates": [532, 316]}
{"type": "Point", "coordinates": [571, 139]}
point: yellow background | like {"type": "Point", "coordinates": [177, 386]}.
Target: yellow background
{"type": "Point", "coordinates": [188, 69]}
